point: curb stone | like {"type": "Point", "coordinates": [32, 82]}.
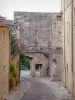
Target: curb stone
{"type": "Point", "coordinates": [19, 91]}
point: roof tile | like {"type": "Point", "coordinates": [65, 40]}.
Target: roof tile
{"type": "Point", "coordinates": [3, 21]}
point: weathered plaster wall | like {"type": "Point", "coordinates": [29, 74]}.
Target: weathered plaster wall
{"type": "Point", "coordinates": [4, 61]}
{"type": "Point", "coordinates": [67, 57]}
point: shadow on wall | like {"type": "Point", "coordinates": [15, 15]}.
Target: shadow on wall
{"type": "Point", "coordinates": [55, 72]}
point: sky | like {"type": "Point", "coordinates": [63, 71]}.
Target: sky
{"type": "Point", "coordinates": [7, 7]}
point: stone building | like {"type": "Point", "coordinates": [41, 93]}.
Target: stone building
{"type": "Point", "coordinates": [40, 31]}
{"type": "Point", "coordinates": [4, 58]}
{"type": "Point", "coordinates": [38, 60]}
{"type": "Point", "coordinates": [34, 28]}
{"type": "Point", "coordinates": [57, 31]}
{"type": "Point", "coordinates": [57, 63]}
{"type": "Point", "coordinates": [68, 9]}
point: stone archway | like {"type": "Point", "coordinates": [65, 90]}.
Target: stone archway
{"type": "Point", "coordinates": [37, 58]}
{"type": "Point", "coordinates": [34, 65]}
{"type": "Point", "coordinates": [38, 69]}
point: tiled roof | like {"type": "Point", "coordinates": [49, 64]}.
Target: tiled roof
{"type": "Point", "coordinates": [3, 21]}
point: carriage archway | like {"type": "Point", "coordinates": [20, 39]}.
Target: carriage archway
{"type": "Point", "coordinates": [38, 64]}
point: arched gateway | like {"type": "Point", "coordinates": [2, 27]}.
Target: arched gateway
{"type": "Point", "coordinates": [38, 60]}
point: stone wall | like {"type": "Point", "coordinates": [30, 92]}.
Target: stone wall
{"type": "Point", "coordinates": [57, 66]}
{"type": "Point", "coordinates": [48, 26]}
{"type": "Point", "coordinates": [29, 23]}
{"type": "Point", "coordinates": [57, 47]}
{"type": "Point", "coordinates": [57, 31]}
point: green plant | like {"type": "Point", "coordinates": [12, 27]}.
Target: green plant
{"type": "Point", "coordinates": [13, 76]}
{"type": "Point", "coordinates": [13, 71]}
{"type": "Point", "coordinates": [11, 81]}
{"type": "Point", "coordinates": [11, 68]}
{"type": "Point", "coordinates": [24, 63]}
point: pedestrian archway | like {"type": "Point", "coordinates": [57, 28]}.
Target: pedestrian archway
{"type": "Point", "coordinates": [24, 65]}
{"type": "Point", "coordinates": [38, 70]}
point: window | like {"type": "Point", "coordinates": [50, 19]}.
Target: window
{"type": "Point", "coordinates": [54, 60]}
{"type": "Point", "coordinates": [67, 66]}
{"type": "Point", "coordinates": [59, 18]}
{"type": "Point", "coordinates": [69, 33]}
{"type": "Point", "coordinates": [74, 16]}
{"type": "Point", "coordinates": [17, 17]}
{"type": "Point", "coordinates": [4, 38]}
{"type": "Point", "coordinates": [45, 16]}
{"type": "Point", "coordinates": [25, 16]}
{"type": "Point", "coordinates": [59, 32]}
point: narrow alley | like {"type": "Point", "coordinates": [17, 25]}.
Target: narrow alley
{"type": "Point", "coordinates": [37, 49]}
{"type": "Point", "coordinates": [34, 88]}
{"type": "Point", "coordinates": [38, 91]}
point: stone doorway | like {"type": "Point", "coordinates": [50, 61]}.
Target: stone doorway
{"type": "Point", "coordinates": [38, 70]}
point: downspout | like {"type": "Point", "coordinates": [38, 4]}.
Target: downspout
{"type": "Point", "coordinates": [9, 57]}
{"type": "Point", "coordinates": [64, 45]}
{"type": "Point", "coordinates": [72, 45]}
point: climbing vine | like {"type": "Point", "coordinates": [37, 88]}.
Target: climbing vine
{"type": "Point", "coordinates": [24, 63]}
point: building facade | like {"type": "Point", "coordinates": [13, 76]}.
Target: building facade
{"type": "Point", "coordinates": [39, 28]}
{"type": "Point", "coordinates": [40, 32]}
{"type": "Point", "coordinates": [68, 8]}
{"type": "Point", "coordinates": [57, 31]}
{"type": "Point", "coordinates": [4, 58]}
{"type": "Point", "coordinates": [34, 28]}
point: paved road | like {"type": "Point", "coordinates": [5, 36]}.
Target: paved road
{"type": "Point", "coordinates": [27, 73]}
{"type": "Point", "coordinates": [37, 91]}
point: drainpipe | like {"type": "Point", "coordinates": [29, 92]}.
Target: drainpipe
{"type": "Point", "coordinates": [64, 45]}
{"type": "Point", "coordinates": [72, 45]}
{"type": "Point", "coordinates": [9, 58]}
